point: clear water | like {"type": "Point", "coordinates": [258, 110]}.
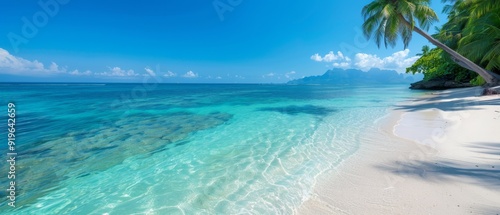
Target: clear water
{"type": "Point", "coordinates": [181, 149]}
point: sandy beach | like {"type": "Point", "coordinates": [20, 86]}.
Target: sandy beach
{"type": "Point", "coordinates": [435, 154]}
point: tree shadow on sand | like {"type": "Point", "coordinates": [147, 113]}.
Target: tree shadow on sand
{"type": "Point", "coordinates": [453, 105]}
{"type": "Point", "coordinates": [451, 94]}
{"type": "Point", "coordinates": [487, 149]}
{"type": "Point", "coordinates": [443, 171]}
{"type": "Point", "coordinates": [487, 176]}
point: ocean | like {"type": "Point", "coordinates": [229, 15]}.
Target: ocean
{"type": "Point", "coordinates": [180, 148]}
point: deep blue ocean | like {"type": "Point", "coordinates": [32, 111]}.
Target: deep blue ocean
{"type": "Point", "coordinates": [180, 148]}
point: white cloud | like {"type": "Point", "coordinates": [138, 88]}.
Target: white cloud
{"type": "Point", "coordinates": [368, 61]}
{"type": "Point", "coordinates": [118, 72]}
{"type": "Point", "coordinates": [398, 61]}
{"type": "Point", "coordinates": [54, 67]}
{"type": "Point", "coordinates": [10, 64]}
{"type": "Point", "coordinates": [339, 60]}
{"type": "Point", "coordinates": [219, 77]}
{"type": "Point", "coordinates": [170, 74]}
{"type": "Point", "coordinates": [316, 57]}
{"type": "Point", "coordinates": [150, 72]}
{"type": "Point", "coordinates": [289, 74]}
{"type": "Point", "coordinates": [271, 74]}
{"type": "Point", "coordinates": [330, 57]}
{"type": "Point", "coordinates": [190, 74]}
{"type": "Point", "coordinates": [76, 72]}
{"type": "Point", "coordinates": [343, 65]}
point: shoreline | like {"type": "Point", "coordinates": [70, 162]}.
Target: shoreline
{"type": "Point", "coordinates": [433, 154]}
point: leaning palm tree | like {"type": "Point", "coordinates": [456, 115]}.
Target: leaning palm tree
{"type": "Point", "coordinates": [386, 19]}
{"type": "Point", "coordinates": [481, 42]}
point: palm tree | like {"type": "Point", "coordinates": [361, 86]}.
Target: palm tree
{"type": "Point", "coordinates": [478, 8]}
{"type": "Point", "coordinates": [386, 19]}
{"type": "Point", "coordinates": [425, 50]}
{"type": "Point", "coordinates": [482, 41]}
{"type": "Point", "coordinates": [452, 31]}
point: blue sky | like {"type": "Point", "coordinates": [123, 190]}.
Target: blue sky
{"type": "Point", "coordinates": [192, 41]}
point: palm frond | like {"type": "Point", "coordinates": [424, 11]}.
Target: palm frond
{"type": "Point", "coordinates": [425, 16]}
{"type": "Point", "coordinates": [386, 20]}
{"type": "Point", "coordinates": [391, 31]}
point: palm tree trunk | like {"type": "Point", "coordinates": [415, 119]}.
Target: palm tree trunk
{"type": "Point", "coordinates": [489, 77]}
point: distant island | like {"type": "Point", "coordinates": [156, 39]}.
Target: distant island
{"type": "Point", "coordinates": [354, 76]}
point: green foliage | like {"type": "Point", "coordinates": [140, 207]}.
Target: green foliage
{"type": "Point", "coordinates": [431, 64]}
{"type": "Point", "coordinates": [385, 20]}
{"type": "Point", "coordinates": [473, 30]}
{"type": "Point", "coordinates": [478, 81]}
{"type": "Point", "coordinates": [434, 64]}
{"type": "Point", "coordinates": [481, 42]}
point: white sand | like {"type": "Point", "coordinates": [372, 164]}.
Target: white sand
{"type": "Point", "coordinates": [438, 154]}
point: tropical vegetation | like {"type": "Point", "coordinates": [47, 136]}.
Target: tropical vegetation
{"type": "Point", "coordinates": [468, 41]}
{"type": "Point", "coordinates": [435, 64]}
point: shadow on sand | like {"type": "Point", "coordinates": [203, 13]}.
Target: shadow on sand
{"type": "Point", "coordinates": [487, 176]}
{"type": "Point", "coordinates": [455, 105]}
{"type": "Point", "coordinates": [452, 100]}
{"type": "Point", "coordinates": [442, 171]}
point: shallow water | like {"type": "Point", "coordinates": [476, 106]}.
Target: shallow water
{"type": "Point", "coordinates": [174, 149]}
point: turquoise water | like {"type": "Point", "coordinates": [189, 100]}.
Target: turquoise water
{"type": "Point", "coordinates": [181, 149]}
